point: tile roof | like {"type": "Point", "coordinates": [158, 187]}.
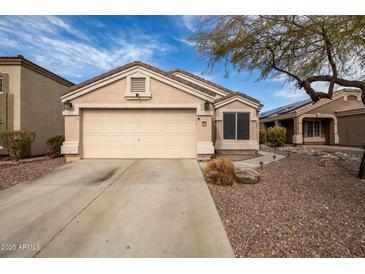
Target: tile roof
{"type": "Point", "coordinates": [302, 104]}
{"type": "Point", "coordinates": [144, 65]}
{"type": "Point", "coordinates": [215, 85]}
{"type": "Point", "coordinates": [35, 67]}
{"type": "Point", "coordinates": [240, 94]}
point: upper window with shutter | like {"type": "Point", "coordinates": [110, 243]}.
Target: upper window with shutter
{"type": "Point", "coordinates": [138, 84]}
{"type": "Point", "coordinates": [236, 126]}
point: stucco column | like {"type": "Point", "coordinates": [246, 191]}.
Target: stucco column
{"type": "Point", "coordinates": [337, 139]}
{"type": "Point", "coordinates": [71, 145]}
{"type": "Point", "coordinates": [298, 131]}
{"type": "Point", "coordinates": [204, 131]}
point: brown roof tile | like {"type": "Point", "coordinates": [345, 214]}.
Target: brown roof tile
{"type": "Point", "coordinates": [141, 64]}
{"type": "Point", "coordinates": [19, 59]}
{"type": "Point", "coordinates": [215, 85]}
{"type": "Point", "coordinates": [237, 94]}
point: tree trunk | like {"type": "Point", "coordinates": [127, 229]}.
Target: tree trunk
{"type": "Point", "coordinates": [362, 166]}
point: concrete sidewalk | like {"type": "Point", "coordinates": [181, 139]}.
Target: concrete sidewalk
{"type": "Point", "coordinates": [267, 157]}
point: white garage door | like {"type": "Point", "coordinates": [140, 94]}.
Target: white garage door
{"type": "Point", "coordinates": [139, 133]}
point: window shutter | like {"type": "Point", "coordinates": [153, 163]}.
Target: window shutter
{"type": "Point", "coordinates": [243, 126]}
{"type": "Point", "coordinates": [229, 126]}
{"type": "Point", "coordinates": [138, 84]}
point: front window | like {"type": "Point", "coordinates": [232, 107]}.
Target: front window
{"type": "Point", "coordinates": [236, 126]}
{"type": "Point", "coordinates": [314, 128]}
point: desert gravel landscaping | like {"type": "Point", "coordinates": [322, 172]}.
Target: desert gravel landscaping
{"type": "Point", "coordinates": [12, 173]}
{"type": "Point", "coordinates": [299, 209]}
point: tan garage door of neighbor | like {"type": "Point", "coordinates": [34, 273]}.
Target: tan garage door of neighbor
{"type": "Point", "coordinates": [139, 133]}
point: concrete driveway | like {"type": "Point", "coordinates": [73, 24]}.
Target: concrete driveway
{"type": "Point", "coordinates": [113, 208]}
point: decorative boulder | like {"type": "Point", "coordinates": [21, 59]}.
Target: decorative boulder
{"type": "Point", "coordinates": [247, 176]}
{"type": "Point", "coordinates": [326, 162]}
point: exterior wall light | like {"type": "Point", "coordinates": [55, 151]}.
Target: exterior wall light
{"type": "Point", "coordinates": [67, 105]}
{"type": "Point", "coordinates": [206, 105]}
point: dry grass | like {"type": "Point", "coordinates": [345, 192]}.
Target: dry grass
{"type": "Point", "coordinates": [220, 171]}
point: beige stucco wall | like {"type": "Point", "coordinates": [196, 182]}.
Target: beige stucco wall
{"type": "Point", "coordinates": [326, 111]}
{"type": "Point", "coordinates": [13, 98]}
{"type": "Point", "coordinates": [162, 95]}
{"type": "Point", "coordinates": [237, 106]}
{"type": "Point", "coordinates": [336, 105]}
{"type": "Point", "coordinates": [351, 130]}
{"type": "Point", "coordinates": [10, 99]}
{"type": "Point", "coordinates": [41, 108]}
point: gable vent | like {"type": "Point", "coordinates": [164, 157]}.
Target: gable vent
{"type": "Point", "coordinates": [138, 84]}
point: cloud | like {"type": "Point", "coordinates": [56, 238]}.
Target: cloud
{"type": "Point", "coordinates": [190, 22]}
{"type": "Point", "coordinates": [290, 95]}
{"type": "Point", "coordinates": [185, 41]}
{"type": "Point", "coordinates": [57, 44]}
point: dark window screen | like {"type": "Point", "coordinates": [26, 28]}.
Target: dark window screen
{"type": "Point", "coordinates": [243, 126]}
{"type": "Point", "coordinates": [229, 126]}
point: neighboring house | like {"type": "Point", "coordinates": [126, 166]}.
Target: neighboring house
{"type": "Point", "coordinates": [340, 120]}
{"type": "Point", "coordinates": [140, 111]}
{"type": "Point", "coordinates": [29, 100]}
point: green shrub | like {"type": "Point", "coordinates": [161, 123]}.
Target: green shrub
{"type": "Point", "coordinates": [263, 136]}
{"type": "Point", "coordinates": [276, 136]}
{"type": "Point", "coordinates": [220, 171]}
{"type": "Point", "coordinates": [54, 145]}
{"type": "Point", "coordinates": [16, 142]}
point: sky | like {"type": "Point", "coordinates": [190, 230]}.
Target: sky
{"type": "Point", "coordinates": [80, 47]}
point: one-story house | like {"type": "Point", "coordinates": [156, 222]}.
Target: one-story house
{"type": "Point", "coordinates": [340, 120]}
{"type": "Point", "coordinates": [29, 100]}
{"type": "Point", "coordinates": [140, 111]}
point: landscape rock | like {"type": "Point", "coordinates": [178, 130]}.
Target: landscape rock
{"type": "Point", "coordinates": [302, 149]}
{"type": "Point", "coordinates": [326, 162]}
{"type": "Point", "coordinates": [247, 176]}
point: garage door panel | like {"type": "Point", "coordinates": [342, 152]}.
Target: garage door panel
{"type": "Point", "coordinates": [155, 133]}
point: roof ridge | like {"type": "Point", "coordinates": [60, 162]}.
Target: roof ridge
{"type": "Point", "coordinates": [142, 64]}
{"type": "Point", "coordinates": [201, 79]}
{"type": "Point", "coordinates": [229, 91]}
{"type": "Point", "coordinates": [301, 104]}
{"type": "Point", "coordinates": [237, 93]}
{"type": "Point", "coordinates": [36, 66]}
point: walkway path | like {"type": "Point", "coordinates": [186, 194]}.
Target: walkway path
{"type": "Point", "coordinates": [267, 157]}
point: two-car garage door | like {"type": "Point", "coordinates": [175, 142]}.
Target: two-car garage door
{"type": "Point", "coordinates": [139, 133]}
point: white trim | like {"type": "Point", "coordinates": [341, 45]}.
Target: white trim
{"type": "Point", "coordinates": [236, 98]}
{"type": "Point", "coordinates": [117, 76]}
{"type": "Point", "coordinates": [201, 83]}
{"type": "Point", "coordinates": [141, 95]}
{"type": "Point", "coordinates": [77, 107]}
